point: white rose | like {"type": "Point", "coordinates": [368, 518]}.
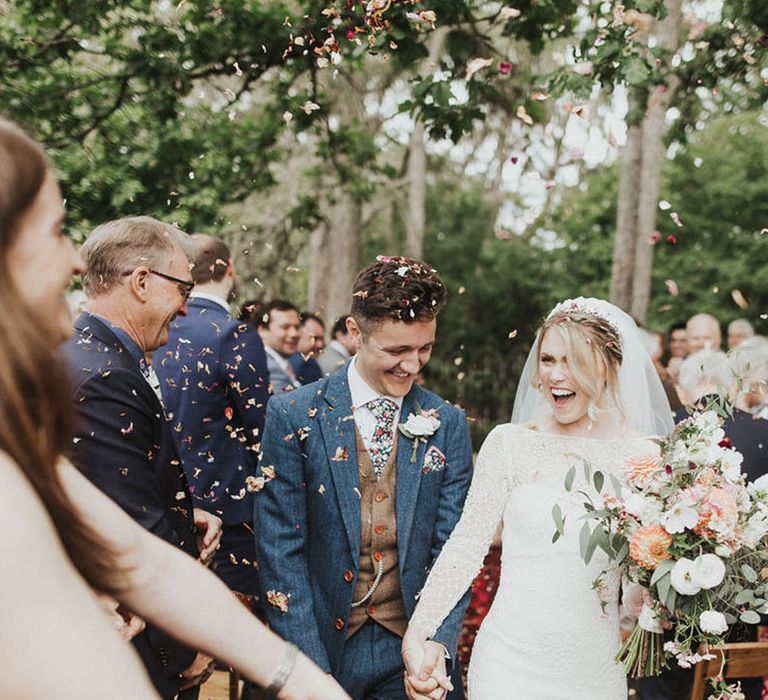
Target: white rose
{"type": "Point", "coordinates": [645, 508]}
{"type": "Point", "coordinates": [681, 577]}
{"type": "Point", "coordinates": [730, 464]}
{"type": "Point", "coordinates": [707, 422]}
{"type": "Point", "coordinates": [421, 426]}
{"type": "Point", "coordinates": [712, 622]}
{"type": "Point", "coordinates": [679, 518]}
{"type": "Point", "coordinates": [708, 571]}
{"type": "Point", "coordinates": [758, 488]}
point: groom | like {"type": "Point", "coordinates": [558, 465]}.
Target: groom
{"type": "Point", "coordinates": [366, 478]}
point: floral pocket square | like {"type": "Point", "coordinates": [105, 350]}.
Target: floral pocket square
{"type": "Point", "coordinates": [434, 460]}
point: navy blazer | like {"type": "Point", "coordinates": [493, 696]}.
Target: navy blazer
{"type": "Point", "coordinates": [125, 446]}
{"type": "Point", "coordinates": [214, 381]}
{"type": "Point", "coordinates": [307, 518]}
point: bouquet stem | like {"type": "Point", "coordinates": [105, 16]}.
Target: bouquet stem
{"type": "Point", "coordinates": [642, 654]}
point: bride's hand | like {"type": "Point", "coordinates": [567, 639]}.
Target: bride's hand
{"type": "Point", "coordinates": [425, 672]}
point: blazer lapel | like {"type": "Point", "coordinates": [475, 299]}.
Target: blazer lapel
{"type": "Point", "coordinates": [408, 477]}
{"type": "Point", "coordinates": [337, 426]}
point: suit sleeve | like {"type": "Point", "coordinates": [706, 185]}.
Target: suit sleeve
{"type": "Point", "coordinates": [453, 493]}
{"type": "Point", "coordinates": [244, 364]}
{"type": "Point", "coordinates": [280, 524]}
{"type": "Point", "coordinates": [115, 446]}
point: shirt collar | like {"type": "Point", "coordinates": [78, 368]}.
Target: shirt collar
{"type": "Point", "coordinates": [211, 297]}
{"type": "Point", "coordinates": [360, 392]}
{"type": "Point", "coordinates": [282, 362]}
{"type": "Point", "coordinates": [133, 348]}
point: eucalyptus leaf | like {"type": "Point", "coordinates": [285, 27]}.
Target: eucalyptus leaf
{"type": "Point", "coordinates": [569, 477]}
{"type": "Point", "coordinates": [750, 617]}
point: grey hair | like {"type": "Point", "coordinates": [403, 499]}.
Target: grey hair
{"type": "Point", "coordinates": [706, 367]}
{"type": "Point", "coordinates": [743, 326]}
{"type": "Point", "coordinates": [122, 245]}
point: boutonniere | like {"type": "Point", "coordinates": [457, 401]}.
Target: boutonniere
{"type": "Point", "coordinates": [419, 427]}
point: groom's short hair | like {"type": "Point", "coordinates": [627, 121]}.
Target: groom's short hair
{"type": "Point", "coordinates": [397, 289]}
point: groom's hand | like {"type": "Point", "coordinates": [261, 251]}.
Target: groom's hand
{"type": "Point", "coordinates": [432, 681]}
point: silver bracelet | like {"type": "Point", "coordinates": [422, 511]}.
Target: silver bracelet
{"type": "Point", "coordinates": [284, 669]}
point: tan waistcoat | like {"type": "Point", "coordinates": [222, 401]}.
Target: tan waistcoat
{"type": "Point", "coordinates": [378, 544]}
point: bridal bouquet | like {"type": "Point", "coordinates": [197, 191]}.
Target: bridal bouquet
{"type": "Point", "coordinates": [686, 527]}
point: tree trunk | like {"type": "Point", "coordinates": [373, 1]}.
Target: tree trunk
{"type": "Point", "coordinates": [334, 248]}
{"type": "Point", "coordinates": [639, 187]}
{"type": "Point", "coordinates": [417, 161]}
{"type": "Point", "coordinates": [626, 219]}
{"type": "Point", "coordinates": [335, 244]}
{"type": "Point", "coordinates": [654, 129]}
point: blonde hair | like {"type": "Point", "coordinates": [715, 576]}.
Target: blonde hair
{"type": "Point", "coordinates": [592, 344]}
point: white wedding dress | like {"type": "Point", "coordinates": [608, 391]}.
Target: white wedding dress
{"type": "Point", "coordinates": [545, 636]}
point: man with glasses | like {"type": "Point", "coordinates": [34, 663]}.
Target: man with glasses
{"type": "Point", "coordinates": [137, 281]}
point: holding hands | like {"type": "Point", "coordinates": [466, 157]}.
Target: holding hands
{"type": "Point", "coordinates": [425, 670]}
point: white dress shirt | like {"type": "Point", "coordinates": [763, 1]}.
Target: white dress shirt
{"type": "Point", "coordinates": [361, 394]}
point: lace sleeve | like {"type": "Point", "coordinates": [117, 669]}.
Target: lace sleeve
{"type": "Point", "coordinates": [462, 555]}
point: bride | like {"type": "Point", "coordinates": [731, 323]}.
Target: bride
{"type": "Point", "coordinates": [588, 392]}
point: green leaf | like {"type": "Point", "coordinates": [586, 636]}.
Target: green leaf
{"type": "Point", "coordinates": [745, 596]}
{"type": "Point", "coordinates": [557, 516]}
{"type": "Point", "coordinates": [616, 484]}
{"type": "Point", "coordinates": [662, 569]}
{"type": "Point", "coordinates": [749, 573]}
{"type": "Point", "coordinates": [585, 535]}
{"type": "Point", "coordinates": [663, 586]}
{"type": "Point", "coordinates": [750, 617]}
{"type": "Point", "coordinates": [569, 477]}
{"type": "Point", "coordinates": [636, 70]}
{"type": "Point", "coordinates": [599, 479]}
{"type": "Point", "coordinates": [592, 546]}
{"type": "Point", "coordinates": [671, 600]}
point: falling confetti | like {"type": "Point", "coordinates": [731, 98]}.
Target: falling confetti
{"type": "Point", "coordinates": [475, 65]}
{"type": "Point", "coordinates": [738, 299]}
{"type": "Point", "coordinates": [278, 600]}
{"type": "Point", "coordinates": [672, 287]}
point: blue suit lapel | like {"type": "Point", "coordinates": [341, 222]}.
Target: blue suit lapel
{"type": "Point", "coordinates": [337, 426]}
{"type": "Point", "coordinates": [408, 477]}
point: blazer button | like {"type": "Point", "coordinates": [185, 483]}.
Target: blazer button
{"type": "Point", "coordinates": [339, 624]}
{"type": "Point", "coordinates": [348, 576]}
{"type": "Point", "coordinates": [379, 497]}
{"type": "Point", "coordinates": [378, 556]}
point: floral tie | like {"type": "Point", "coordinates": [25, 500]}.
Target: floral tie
{"type": "Point", "coordinates": [383, 438]}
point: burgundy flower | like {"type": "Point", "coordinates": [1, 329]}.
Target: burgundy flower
{"type": "Point", "coordinates": [725, 442]}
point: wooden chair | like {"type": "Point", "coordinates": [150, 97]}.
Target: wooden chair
{"type": "Point", "coordinates": [745, 660]}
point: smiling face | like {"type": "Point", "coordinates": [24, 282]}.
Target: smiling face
{"type": "Point", "coordinates": [391, 354]}
{"type": "Point", "coordinates": [567, 397]}
{"type": "Point", "coordinates": [42, 261]}
{"type": "Point", "coordinates": [166, 300]}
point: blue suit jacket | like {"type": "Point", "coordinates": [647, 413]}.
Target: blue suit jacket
{"type": "Point", "coordinates": [213, 377]}
{"type": "Point", "coordinates": [308, 517]}
{"type": "Point", "coordinates": [125, 446]}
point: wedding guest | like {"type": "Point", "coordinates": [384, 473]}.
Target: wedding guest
{"type": "Point", "coordinates": [660, 357]}
{"type": "Point", "coordinates": [137, 279]}
{"type": "Point", "coordinates": [311, 344]}
{"type": "Point", "coordinates": [738, 331]}
{"type": "Point", "coordinates": [251, 311]}
{"type": "Point", "coordinates": [678, 350]}
{"type": "Point", "coordinates": [749, 362]}
{"type": "Point", "coordinates": [339, 350]}
{"type": "Point", "coordinates": [678, 339]}
{"type": "Point", "coordinates": [66, 539]}
{"type": "Point", "coordinates": [358, 509]}
{"type": "Point", "coordinates": [280, 329]}
{"type": "Point", "coordinates": [213, 378]}
{"type": "Point", "coordinates": [703, 331]}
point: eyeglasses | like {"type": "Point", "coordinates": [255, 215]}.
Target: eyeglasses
{"type": "Point", "coordinates": [185, 286]}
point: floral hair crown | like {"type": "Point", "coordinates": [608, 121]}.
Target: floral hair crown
{"type": "Point", "coordinates": [583, 305]}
